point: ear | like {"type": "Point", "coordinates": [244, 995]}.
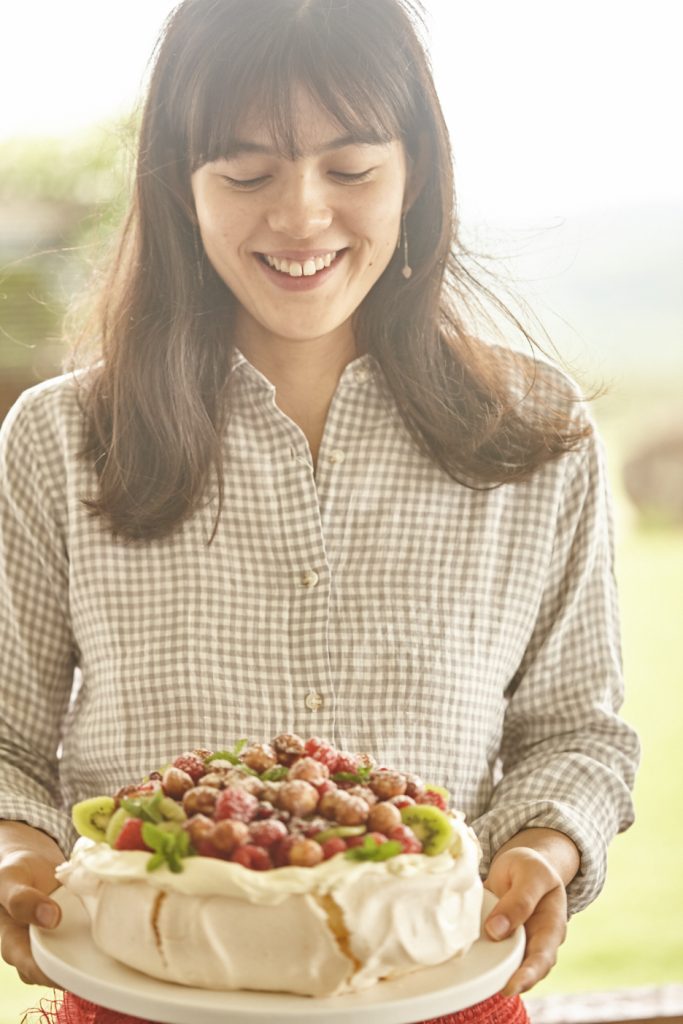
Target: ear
{"type": "Point", "coordinates": [416, 175]}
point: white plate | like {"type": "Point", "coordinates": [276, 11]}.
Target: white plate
{"type": "Point", "coordinates": [69, 957]}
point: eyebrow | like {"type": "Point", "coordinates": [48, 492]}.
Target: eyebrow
{"type": "Point", "coordinates": [239, 146]}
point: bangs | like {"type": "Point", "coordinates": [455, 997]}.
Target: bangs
{"type": "Point", "coordinates": [364, 89]}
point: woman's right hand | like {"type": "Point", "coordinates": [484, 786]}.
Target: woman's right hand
{"type": "Point", "coordinates": [28, 858]}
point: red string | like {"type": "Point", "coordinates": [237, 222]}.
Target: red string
{"type": "Point", "coordinates": [73, 1010]}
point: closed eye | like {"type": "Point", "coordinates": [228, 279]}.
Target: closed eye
{"type": "Point", "coordinates": [362, 176]}
{"type": "Point", "coordinates": [249, 183]}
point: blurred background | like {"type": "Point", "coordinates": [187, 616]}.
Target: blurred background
{"type": "Point", "coordinates": [565, 120]}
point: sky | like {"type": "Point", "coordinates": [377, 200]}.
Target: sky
{"type": "Point", "coordinates": [553, 107]}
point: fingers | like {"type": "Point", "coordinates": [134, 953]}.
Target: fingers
{"type": "Point", "coordinates": [15, 948]}
{"type": "Point", "coordinates": [531, 893]}
{"type": "Point", "coordinates": [546, 930]}
{"type": "Point", "coordinates": [25, 884]}
{"type": "Point", "coordinates": [24, 891]}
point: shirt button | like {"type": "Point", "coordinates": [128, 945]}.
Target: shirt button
{"type": "Point", "coordinates": [362, 374]}
{"type": "Point", "coordinates": [309, 578]}
{"type": "Point", "coordinates": [337, 455]}
{"type": "Point", "coordinates": [314, 701]}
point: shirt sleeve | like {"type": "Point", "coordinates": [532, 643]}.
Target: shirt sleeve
{"type": "Point", "coordinates": [567, 760]}
{"type": "Point", "coordinates": [37, 664]}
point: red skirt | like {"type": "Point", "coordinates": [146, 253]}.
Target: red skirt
{"type": "Point", "coordinates": [72, 1010]}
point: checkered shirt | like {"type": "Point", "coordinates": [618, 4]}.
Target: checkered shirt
{"type": "Point", "coordinates": [470, 636]}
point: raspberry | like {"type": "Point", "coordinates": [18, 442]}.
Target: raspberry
{"type": "Point", "coordinates": [130, 836]}
{"type": "Point", "coordinates": [205, 848]}
{"type": "Point", "coordinates": [266, 833]}
{"type": "Point", "coordinates": [346, 762]}
{"type": "Point", "coordinates": [235, 803]}
{"type": "Point", "coordinates": [333, 846]}
{"type": "Point", "coordinates": [430, 796]}
{"type": "Point", "coordinates": [322, 751]}
{"type": "Point", "coordinates": [254, 857]}
{"type": "Point", "coordinates": [359, 840]}
{"type": "Point", "coordinates": [407, 838]}
{"type": "Point", "coordinates": [193, 765]}
{"type": "Point", "coordinates": [280, 852]}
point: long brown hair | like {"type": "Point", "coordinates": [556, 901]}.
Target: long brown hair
{"type": "Point", "coordinates": [158, 393]}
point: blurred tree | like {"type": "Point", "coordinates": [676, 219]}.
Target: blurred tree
{"type": "Point", "coordinates": [60, 201]}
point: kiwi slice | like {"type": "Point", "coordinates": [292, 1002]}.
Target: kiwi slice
{"type": "Point", "coordinates": [171, 809]}
{"type": "Point", "coordinates": [91, 817]}
{"type": "Point", "coordinates": [342, 831]}
{"type": "Point", "coordinates": [433, 788]}
{"type": "Point", "coordinates": [431, 826]}
{"type": "Point", "coordinates": [115, 825]}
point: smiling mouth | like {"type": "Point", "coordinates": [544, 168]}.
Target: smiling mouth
{"type": "Point", "coordinates": [300, 268]}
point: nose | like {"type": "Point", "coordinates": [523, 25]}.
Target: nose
{"type": "Point", "coordinates": [300, 209]}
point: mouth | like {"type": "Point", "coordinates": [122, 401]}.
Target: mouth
{"type": "Point", "coordinates": [301, 274]}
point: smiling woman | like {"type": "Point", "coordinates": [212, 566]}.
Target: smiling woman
{"type": "Point", "coordinates": [290, 492]}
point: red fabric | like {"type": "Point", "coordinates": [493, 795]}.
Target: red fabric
{"type": "Point", "coordinates": [72, 1010]}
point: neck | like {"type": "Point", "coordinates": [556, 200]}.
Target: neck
{"type": "Point", "coordinates": [308, 366]}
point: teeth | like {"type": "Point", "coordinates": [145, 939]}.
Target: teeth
{"type": "Point", "coordinates": [296, 269]}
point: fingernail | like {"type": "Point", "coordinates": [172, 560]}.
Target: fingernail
{"type": "Point", "coordinates": [47, 915]}
{"type": "Point", "coordinates": [498, 926]}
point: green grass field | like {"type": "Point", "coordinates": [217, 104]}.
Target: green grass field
{"type": "Point", "coordinates": [632, 934]}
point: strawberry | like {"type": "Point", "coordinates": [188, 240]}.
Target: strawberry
{"type": "Point", "coordinates": [254, 857]}
{"type": "Point", "coordinates": [130, 836]}
{"type": "Point", "coordinates": [379, 838]}
{"type": "Point", "coordinates": [407, 838]}
{"type": "Point", "coordinates": [333, 846]}
{"type": "Point", "coordinates": [430, 796]}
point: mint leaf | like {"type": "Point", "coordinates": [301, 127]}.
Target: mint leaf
{"type": "Point", "coordinates": [275, 774]}
{"type": "Point", "coordinates": [360, 777]}
{"type": "Point", "coordinates": [147, 808]}
{"type": "Point", "coordinates": [170, 847]}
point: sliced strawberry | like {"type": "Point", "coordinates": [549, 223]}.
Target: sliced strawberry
{"type": "Point", "coordinates": [130, 836]}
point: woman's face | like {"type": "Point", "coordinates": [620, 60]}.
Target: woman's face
{"type": "Point", "coordinates": [301, 243]}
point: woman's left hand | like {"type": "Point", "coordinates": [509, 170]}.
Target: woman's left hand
{"type": "Point", "coordinates": [531, 892]}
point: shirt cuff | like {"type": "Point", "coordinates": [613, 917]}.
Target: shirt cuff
{"type": "Point", "coordinates": [498, 825]}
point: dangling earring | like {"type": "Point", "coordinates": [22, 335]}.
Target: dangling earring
{"type": "Point", "coordinates": [407, 269]}
{"type": "Point", "coordinates": [198, 254]}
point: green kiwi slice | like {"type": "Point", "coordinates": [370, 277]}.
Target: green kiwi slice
{"type": "Point", "coordinates": [431, 826]}
{"type": "Point", "coordinates": [171, 809]}
{"type": "Point", "coordinates": [115, 825]}
{"type": "Point", "coordinates": [91, 817]}
{"type": "Point", "coordinates": [343, 831]}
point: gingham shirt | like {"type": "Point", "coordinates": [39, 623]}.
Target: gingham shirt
{"type": "Point", "coordinates": [469, 636]}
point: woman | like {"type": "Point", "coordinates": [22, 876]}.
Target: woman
{"type": "Point", "coordinates": [291, 489]}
